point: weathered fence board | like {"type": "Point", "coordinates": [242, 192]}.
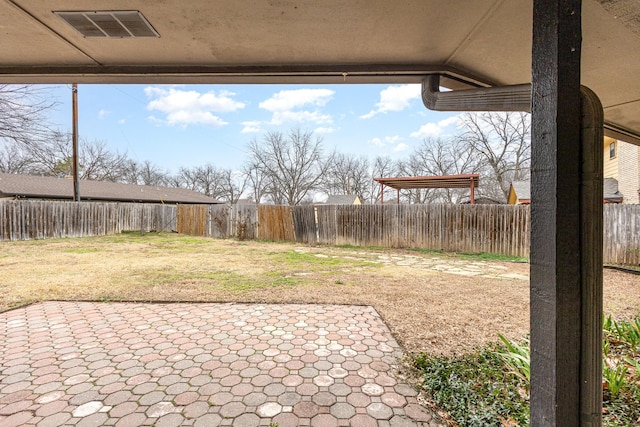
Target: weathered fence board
{"type": "Point", "coordinates": [33, 219]}
{"type": "Point", "coordinates": [463, 228]}
{"type": "Point", "coordinates": [275, 223]}
{"type": "Point", "coordinates": [304, 224]}
{"type": "Point", "coordinates": [622, 234]}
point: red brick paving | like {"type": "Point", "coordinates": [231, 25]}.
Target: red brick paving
{"type": "Point", "coordinates": [126, 364]}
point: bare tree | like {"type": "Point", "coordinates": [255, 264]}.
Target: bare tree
{"type": "Point", "coordinates": [151, 174]}
{"type": "Point", "coordinates": [294, 164]}
{"type": "Point", "coordinates": [347, 174]}
{"type": "Point", "coordinates": [503, 140]}
{"type": "Point", "coordinates": [22, 113]}
{"type": "Point", "coordinates": [257, 180]}
{"type": "Point", "coordinates": [13, 159]}
{"type": "Point", "coordinates": [382, 167]}
{"type": "Point", "coordinates": [232, 185]}
{"type": "Point", "coordinates": [438, 157]}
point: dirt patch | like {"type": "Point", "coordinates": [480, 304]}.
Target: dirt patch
{"type": "Point", "coordinates": [436, 303]}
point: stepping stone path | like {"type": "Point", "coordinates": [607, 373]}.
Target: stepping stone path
{"type": "Point", "coordinates": [448, 265]}
{"type": "Point", "coordinates": [130, 364]}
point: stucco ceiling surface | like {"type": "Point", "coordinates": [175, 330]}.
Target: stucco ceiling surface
{"type": "Point", "coordinates": [486, 42]}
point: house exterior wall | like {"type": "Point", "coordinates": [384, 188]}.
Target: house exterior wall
{"type": "Point", "coordinates": [624, 167]}
{"type": "Point", "coordinates": [610, 164]}
{"type": "Point", "coordinates": [628, 173]}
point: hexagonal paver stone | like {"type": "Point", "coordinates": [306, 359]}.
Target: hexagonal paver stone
{"type": "Point", "coordinates": [363, 420]}
{"type": "Point", "coordinates": [247, 420]}
{"type": "Point", "coordinates": [208, 420]}
{"type": "Point", "coordinates": [160, 409]}
{"type": "Point", "coordinates": [170, 420]}
{"type": "Point", "coordinates": [343, 411]}
{"type": "Point", "coordinates": [232, 409]}
{"type": "Point", "coordinates": [324, 398]}
{"type": "Point", "coordinates": [87, 409]}
{"type": "Point", "coordinates": [306, 409]}
{"type": "Point", "coordinates": [379, 411]}
{"type": "Point", "coordinates": [269, 410]}
{"type": "Point", "coordinates": [324, 420]}
{"type": "Point", "coordinates": [394, 400]}
{"type": "Point", "coordinates": [93, 420]}
{"type": "Point", "coordinates": [372, 389]}
{"type": "Point", "coordinates": [151, 398]}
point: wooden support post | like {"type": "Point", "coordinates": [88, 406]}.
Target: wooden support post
{"type": "Point", "coordinates": [566, 228]}
{"type": "Point", "coordinates": [398, 190]}
{"type": "Point", "coordinates": [472, 198]}
{"type": "Point", "coordinates": [74, 137]}
{"type": "Point", "coordinates": [381, 193]}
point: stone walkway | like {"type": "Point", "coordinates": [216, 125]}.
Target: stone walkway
{"type": "Point", "coordinates": [460, 267]}
{"type": "Point", "coordinates": [129, 364]}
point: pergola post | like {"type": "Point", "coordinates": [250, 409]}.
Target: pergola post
{"type": "Point", "coordinates": [472, 196]}
{"type": "Point", "coordinates": [566, 226]}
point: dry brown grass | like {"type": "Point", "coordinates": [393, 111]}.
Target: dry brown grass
{"type": "Point", "coordinates": [427, 310]}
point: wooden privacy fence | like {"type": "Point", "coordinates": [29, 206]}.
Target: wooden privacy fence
{"type": "Point", "coordinates": [464, 228]}
{"type": "Point", "coordinates": [27, 219]}
{"type": "Point", "coordinates": [621, 234]}
{"type": "Point", "coordinates": [481, 228]}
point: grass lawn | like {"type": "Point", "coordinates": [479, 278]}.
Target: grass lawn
{"type": "Point", "coordinates": [432, 302]}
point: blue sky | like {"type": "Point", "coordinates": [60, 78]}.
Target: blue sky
{"type": "Point", "coordinates": [190, 125]}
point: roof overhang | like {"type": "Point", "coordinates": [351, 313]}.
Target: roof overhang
{"type": "Point", "coordinates": [479, 43]}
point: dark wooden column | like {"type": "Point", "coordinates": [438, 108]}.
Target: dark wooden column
{"type": "Point", "coordinates": [566, 227]}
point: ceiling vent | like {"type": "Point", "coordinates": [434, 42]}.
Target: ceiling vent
{"type": "Point", "coordinates": [110, 24]}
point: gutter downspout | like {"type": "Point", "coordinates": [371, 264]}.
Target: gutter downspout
{"type": "Point", "coordinates": [503, 98]}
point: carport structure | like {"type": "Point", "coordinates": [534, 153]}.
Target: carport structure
{"type": "Point", "coordinates": [488, 45]}
{"type": "Point", "coordinates": [470, 181]}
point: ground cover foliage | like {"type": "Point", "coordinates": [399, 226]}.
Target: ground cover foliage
{"type": "Point", "coordinates": [490, 387]}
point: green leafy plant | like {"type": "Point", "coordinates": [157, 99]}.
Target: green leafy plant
{"type": "Point", "coordinates": [517, 357]}
{"type": "Point", "coordinates": [614, 379]}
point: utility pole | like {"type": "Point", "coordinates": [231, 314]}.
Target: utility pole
{"type": "Point", "coordinates": [76, 179]}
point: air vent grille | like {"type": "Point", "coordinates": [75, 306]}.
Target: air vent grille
{"type": "Point", "coordinates": [109, 24]}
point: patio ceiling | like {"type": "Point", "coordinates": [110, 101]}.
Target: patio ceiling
{"type": "Point", "coordinates": [483, 42]}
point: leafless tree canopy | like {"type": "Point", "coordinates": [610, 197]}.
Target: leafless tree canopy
{"type": "Point", "coordinates": [503, 142]}
{"type": "Point", "coordinates": [22, 113]}
{"type": "Point", "coordinates": [293, 164]}
{"type": "Point", "coordinates": [345, 174]}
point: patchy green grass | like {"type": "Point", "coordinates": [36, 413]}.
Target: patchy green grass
{"type": "Point", "coordinates": [481, 256]}
{"type": "Point", "coordinates": [81, 250]}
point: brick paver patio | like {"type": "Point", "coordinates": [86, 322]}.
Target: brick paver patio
{"type": "Point", "coordinates": [130, 364]}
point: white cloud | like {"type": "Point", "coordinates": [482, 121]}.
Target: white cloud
{"type": "Point", "coordinates": [434, 130]}
{"type": "Point", "coordinates": [298, 105]}
{"type": "Point", "coordinates": [286, 100]}
{"type": "Point", "coordinates": [186, 107]}
{"type": "Point", "coordinates": [386, 141]}
{"type": "Point", "coordinates": [122, 121]}
{"type": "Point", "coordinates": [251, 126]}
{"type": "Point", "coordinates": [323, 129]}
{"type": "Point", "coordinates": [400, 147]}
{"type": "Point", "coordinates": [395, 98]}
{"type": "Point", "coordinates": [280, 117]}
{"type": "Point", "coordinates": [103, 113]}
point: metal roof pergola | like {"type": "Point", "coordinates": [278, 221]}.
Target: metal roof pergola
{"type": "Point", "coordinates": [470, 181]}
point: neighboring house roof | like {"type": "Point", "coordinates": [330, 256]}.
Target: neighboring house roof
{"type": "Point", "coordinates": [342, 199]}
{"type": "Point", "coordinates": [42, 187]}
{"type": "Point", "coordinates": [482, 200]}
{"type": "Point", "coordinates": [522, 190]}
{"type": "Point", "coordinates": [610, 191]}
